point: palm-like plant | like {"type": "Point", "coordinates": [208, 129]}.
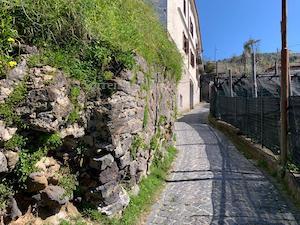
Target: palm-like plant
{"type": "Point", "coordinates": [249, 48]}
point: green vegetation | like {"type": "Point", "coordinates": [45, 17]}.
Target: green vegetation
{"type": "Point", "coordinates": [155, 142]}
{"type": "Point", "coordinates": [108, 75]}
{"type": "Point", "coordinates": [52, 141]}
{"type": "Point", "coordinates": [293, 167]}
{"type": "Point", "coordinates": [26, 164]}
{"type": "Point", "coordinates": [149, 190]}
{"type": "Point", "coordinates": [7, 39]}
{"type": "Point", "coordinates": [210, 67]}
{"type": "Point", "coordinates": [5, 193]}
{"type": "Point", "coordinates": [75, 221]}
{"type": "Point", "coordinates": [67, 181]}
{"type": "Point", "coordinates": [137, 143]}
{"type": "Point", "coordinates": [7, 109]}
{"type": "Point", "coordinates": [74, 115]}
{"type": "Point", "coordinates": [17, 141]}
{"type": "Point", "coordinates": [162, 120]}
{"type": "Point", "coordinates": [264, 62]}
{"type": "Point", "coordinates": [146, 116]}
{"type": "Point", "coordinates": [28, 158]}
{"type": "Point", "coordinates": [88, 38]}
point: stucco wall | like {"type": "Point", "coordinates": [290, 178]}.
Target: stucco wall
{"type": "Point", "coordinates": [178, 23]}
{"type": "Point", "coordinates": [173, 18]}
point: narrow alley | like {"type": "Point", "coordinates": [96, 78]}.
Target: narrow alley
{"type": "Point", "coordinates": [213, 183]}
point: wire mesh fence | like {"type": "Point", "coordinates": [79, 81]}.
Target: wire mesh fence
{"type": "Point", "coordinates": [259, 119]}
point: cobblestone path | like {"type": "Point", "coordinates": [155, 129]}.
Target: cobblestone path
{"type": "Point", "coordinates": [212, 183]}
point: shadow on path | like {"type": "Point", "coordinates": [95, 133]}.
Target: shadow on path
{"type": "Point", "coordinates": [212, 183]}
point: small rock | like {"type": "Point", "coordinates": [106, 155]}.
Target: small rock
{"type": "Point", "coordinates": [36, 197]}
{"type": "Point", "coordinates": [3, 163]}
{"type": "Point", "coordinates": [142, 165]}
{"type": "Point", "coordinates": [44, 121]}
{"type": "Point", "coordinates": [124, 160]}
{"type": "Point", "coordinates": [4, 93]}
{"type": "Point", "coordinates": [19, 72]}
{"type": "Point", "coordinates": [49, 166]}
{"type": "Point", "coordinates": [127, 75]}
{"type": "Point", "coordinates": [53, 196]}
{"type": "Point", "coordinates": [118, 206]}
{"type": "Point", "coordinates": [119, 151]}
{"type": "Point", "coordinates": [72, 130]}
{"type": "Point", "coordinates": [135, 190]}
{"type": "Point", "coordinates": [14, 211]}
{"type": "Point", "coordinates": [109, 174]}
{"type": "Point", "coordinates": [65, 213]}
{"type": "Point", "coordinates": [27, 49]}
{"type": "Point", "coordinates": [133, 168]}
{"type": "Point", "coordinates": [48, 163]}
{"type": "Point", "coordinates": [109, 192]}
{"type": "Point", "coordinates": [6, 133]}
{"type": "Point", "coordinates": [62, 107]}
{"type": "Point", "coordinates": [36, 182]}
{"type": "Point", "coordinates": [103, 162]}
{"type": "Point", "coordinates": [12, 159]}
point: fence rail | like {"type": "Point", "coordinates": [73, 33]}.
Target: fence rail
{"type": "Point", "coordinates": [259, 119]}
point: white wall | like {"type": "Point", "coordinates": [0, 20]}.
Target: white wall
{"type": "Point", "coordinates": [176, 25]}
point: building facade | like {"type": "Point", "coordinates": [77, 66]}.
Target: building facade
{"type": "Point", "coordinates": [180, 19]}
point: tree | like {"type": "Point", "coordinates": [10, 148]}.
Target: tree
{"type": "Point", "coordinates": [250, 47]}
{"type": "Point", "coordinates": [210, 67]}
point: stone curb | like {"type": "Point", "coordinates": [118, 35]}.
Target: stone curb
{"type": "Point", "coordinates": [255, 151]}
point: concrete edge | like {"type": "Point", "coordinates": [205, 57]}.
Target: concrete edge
{"type": "Point", "coordinates": [290, 180]}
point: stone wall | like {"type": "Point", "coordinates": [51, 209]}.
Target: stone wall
{"type": "Point", "coordinates": [108, 148]}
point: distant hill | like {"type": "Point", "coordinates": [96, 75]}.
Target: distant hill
{"type": "Point", "coordinates": [264, 62]}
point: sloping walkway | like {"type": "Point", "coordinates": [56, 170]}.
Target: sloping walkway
{"type": "Point", "coordinates": [212, 183]}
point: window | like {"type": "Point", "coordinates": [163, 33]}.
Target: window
{"type": "Point", "coordinates": [185, 44]}
{"type": "Point", "coordinates": [192, 59]}
{"type": "Point", "coordinates": [192, 27]}
{"type": "Point", "coordinates": [184, 7]}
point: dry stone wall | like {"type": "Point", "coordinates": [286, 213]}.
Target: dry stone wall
{"type": "Point", "coordinates": [104, 144]}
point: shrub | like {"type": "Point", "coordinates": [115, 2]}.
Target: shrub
{"type": "Point", "coordinates": [5, 193]}
{"type": "Point", "coordinates": [28, 158]}
{"type": "Point", "coordinates": [52, 141]}
{"type": "Point", "coordinates": [17, 141]}
{"type": "Point", "coordinates": [67, 181]}
{"type": "Point", "coordinates": [7, 109]}
{"type": "Point", "coordinates": [137, 143]}
{"type": "Point", "coordinates": [26, 164]}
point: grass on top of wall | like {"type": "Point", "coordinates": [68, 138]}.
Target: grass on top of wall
{"type": "Point", "coordinates": [88, 38]}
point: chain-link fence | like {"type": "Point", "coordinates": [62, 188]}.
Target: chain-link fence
{"type": "Point", "coordinates": [259, 119]}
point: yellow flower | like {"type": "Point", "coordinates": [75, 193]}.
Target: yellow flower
{"type": "Point", "coordinates": [12, 64]}
{"type": "Point", "coordinates": [11, 40]}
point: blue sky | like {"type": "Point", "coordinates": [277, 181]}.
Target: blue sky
{"type": "Point", "coordinates": [227, 24]}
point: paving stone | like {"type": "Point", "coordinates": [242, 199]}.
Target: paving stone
{"type": "Point", "coordinates": [212, 183]}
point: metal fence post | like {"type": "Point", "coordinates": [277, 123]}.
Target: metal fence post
{"type": "Point", "coordinates": [247, 113]}
{"type": "Point", "coordinates": [235, 104]}
{"type": "Point", "coordinates": [262, 121]}
{"type": "Point", "coordinates": [247, 117]}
